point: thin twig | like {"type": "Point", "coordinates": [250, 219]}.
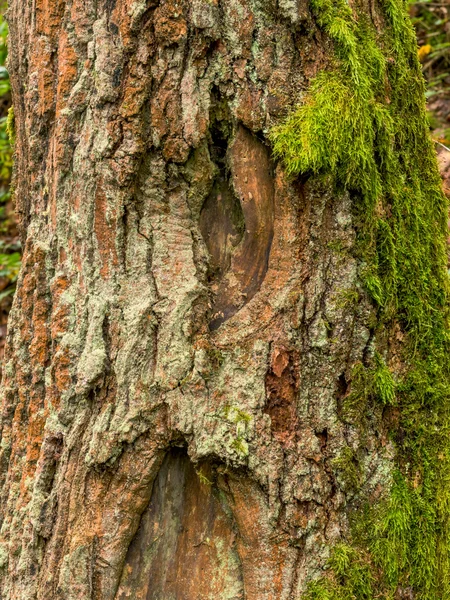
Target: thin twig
{"type": "Point", "coordinates": [441, 144]}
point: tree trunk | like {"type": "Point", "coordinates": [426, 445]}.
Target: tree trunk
{"type": "Point", "coordinates": [190, 320]}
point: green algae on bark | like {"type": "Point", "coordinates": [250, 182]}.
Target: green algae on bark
{"type": "Point", "coordinates": [364, 122]}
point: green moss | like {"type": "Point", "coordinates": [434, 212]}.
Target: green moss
{"type": "Point", "coordinates": [363, 121]}
{"type": "Point", "coordinates": [240, 445]}
{"type": "Point", "coordinates": [368, 385]}
{"type": "Point", "coordinates": [355, 404]}
{"type": "Point", "coordinates": [11, 125]}
{"type": "Point", "coordinates": [348, 468]}
{"type": "Point", "coordinates": [203, 478]}
{"type": "Point", "coordinates": [383, 383]}
{"type": "Point", "coordinates": [351, 578]}
{"type": "Point", "coordinates": [236, 415]}
{"type": "Point", "coordinates": [347, 298]}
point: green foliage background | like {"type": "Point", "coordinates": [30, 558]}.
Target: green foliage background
{"type": "Point", "coordinates": [431, 19]}
{"type": "Point", "coordinates": [10, 255]}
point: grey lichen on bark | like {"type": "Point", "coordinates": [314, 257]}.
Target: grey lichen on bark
{"type": "Point", "coordinates": [134, 330]}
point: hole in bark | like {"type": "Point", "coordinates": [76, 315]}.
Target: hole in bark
{"type": "Point", "coordinates": [237, 218]}
{"type": "Point", "coordinates": [281, 391]}
{"type": "Point", "coordinates": [341, 392]}
{"type": "Point", "coordinates": [221, 219]}
{"type": "Point", "coordinates": [322, 436]}
{"type": "Point", "coordinates": [342, 385]}
{"type": "Point", "coordinates": [185, 545]}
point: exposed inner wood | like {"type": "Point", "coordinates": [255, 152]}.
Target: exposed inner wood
{"type": "Point", "coordinates": [237, 224]}
{"type": "Point", "coordinates": [184, 548]}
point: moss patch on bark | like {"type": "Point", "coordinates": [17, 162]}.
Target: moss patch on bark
{"type": "Point", "coordinates": [363, 121]}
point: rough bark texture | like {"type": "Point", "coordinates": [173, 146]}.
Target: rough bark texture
{"type": "Point", "coordinates": [187, 317]}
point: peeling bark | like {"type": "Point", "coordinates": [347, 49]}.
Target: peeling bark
{"type": "Point", "coordinates": [181, 329]}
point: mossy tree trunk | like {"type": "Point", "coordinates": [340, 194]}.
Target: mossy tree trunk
{"type": "Point", "coordinates": [201, 372]}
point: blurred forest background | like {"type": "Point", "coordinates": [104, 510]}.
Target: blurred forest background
{"type": "Point", "coordinates": [431, 19]}
{"type": "Point", "coordinates": [9, 241]}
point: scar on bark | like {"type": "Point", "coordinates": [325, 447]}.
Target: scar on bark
{"type": "Point", "coordinates": [185, 546]}
{"type": "Point", "coordinates": [281, 391]}
{"type": "Point", "coordinates": [204, 534]}
{"type": "Point", "coordinates": [237, 222]}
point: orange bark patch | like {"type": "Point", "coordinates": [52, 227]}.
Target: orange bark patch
{"type": "Point", "coordinates": [40, 343]}
{"type": "Point", "coordinates": [62, 375]}
{"type": "Point", "coordinates": [67, 70]}
{"type": "Point", "coordinates": [104, 232]}
{"type": "Point", "coordinates": [35, 434]}
{"type": "Point", "coordinates": [48, 15]}
{"type": "Point", "coordinates": [136, 93]}
{"type": "Point", "coordinates": [170, 25]}
{"type": "Point", "coordinates": [43, 63]}
{"type": "Point", "coordinates": [122, 15]}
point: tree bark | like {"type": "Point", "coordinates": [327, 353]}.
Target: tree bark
{"type": "Point", "coordinates": [187, 318]}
